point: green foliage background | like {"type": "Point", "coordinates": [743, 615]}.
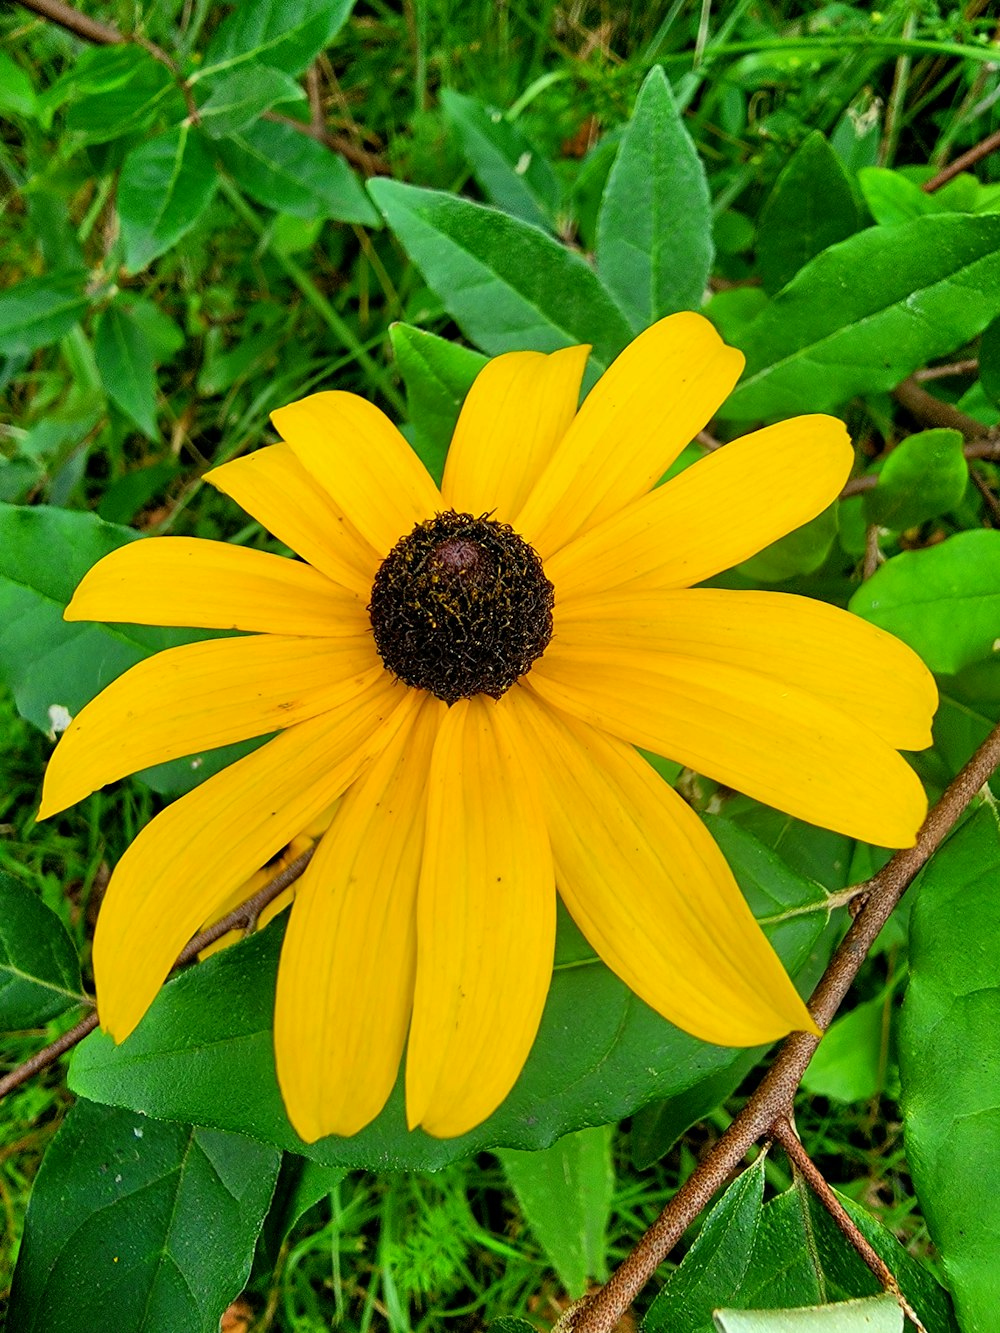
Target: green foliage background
{"type": "Point", "coordinates": [234, 206]}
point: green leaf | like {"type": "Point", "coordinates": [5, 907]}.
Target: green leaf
{"type": "Point", "coordinates": [510, 170]}
{"type": "Point", "coordinates": [783, 1256]}
{"type": "Point", "coordinates": [847, 1064]}
{"type": "Point", "coordinates": [565, 1195]}
{"type": "Point", "coordinates": [810, 208]}
{"type": "Point", "coordinates": [239, 97]}
{"type": "Point", "coordinates": [17, 96]}
{"type": "Point", "coordinates": [654, 230]}
{"type": "Point", "coordinates": [284, 34]}
{"type": "Point", "coordinates": [165, 186]}
{"type": "Point", "coordinates": [893, 198]}
{"type": "Point", "coordinates": [38, 311]}
{"type": "Point", "coordinates": [110, 108]}
{"type": "Point", "coordinates": [876, 1314]}
{"type": "Point", "coordinates": [39, 970]}
{"type": "Point", "coordinates": [801, 551]}
{"type": "Point", "coordinates": [154, 1222]}
{"type": "Point", "coordinates": [287, 170]}
{"type": "Point", "coordinates": [437, 374]}
{"type": "Point", "coordinates": [508, 285]}
{"type": "Point", "coordinates": [716, 1262]}
{"type": "Point", "coordinates": [943, 601]}
{"type": "Point", "coordinates": [989, 361]}
{"type": "Point", "coordinates": [865, 313]}
{"type": "Point", "coordinates": [924, 476]}
{"type": "Point", "coordinates": [949, 1056]}
{"type": "Point", "coordinates": [203, 1053]}
{"type": "Point", "coordinates": [125, 359]}
{"type": "Point", "coordinates": [53, 666]}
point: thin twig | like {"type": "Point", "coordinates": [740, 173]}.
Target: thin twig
{"type": "Point", "coordinates": [81, 25]}
{"type": "Point", "coordinates": [985, 490]}
{"type": "Point", "coordinates": [774, 1095]}
{"type": "Point", "coordinates": [873, 555]}
{"type": "Point", "coordinates": [975, 154]}
{"type": "Point", "coordinates": [240, 918]}
{"type": "Point", "coordinates": [968, 367]}
{"type": "Point", "coordinates": [925, 407]}
{"type": "Point", "coordinates": [783, 1132]}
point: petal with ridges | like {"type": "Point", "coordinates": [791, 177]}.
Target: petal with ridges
{"type": "Point", "coordinates": [819, 648]}
{"type": "Point", "coordinates": [199, 696]}
{"type": "Point", "coordinates": [764, 737]}
{"type": "Point", "coordinates": [273, 486]}
{"type": "Point", "coordinates": [345, 983]}
{"type": "Point", "coordinates": [209, 585]}
{"type": "Point", "coordinates": [354, 450]}
{"type": "Point", "coordinates": [190, 858]}
{"type": "Point", "coordinates": [485, 923]}
{"type": "Point", "coordinates": [651, 891]}
{"type": "Point", "coordinates": [721, 510]}
{"type": "Point", "coordinates": [516, 412]}
{"type": "Point", "coordinates": [644, 409]}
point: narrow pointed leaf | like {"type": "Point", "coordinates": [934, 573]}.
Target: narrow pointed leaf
{"type": "Point", "coordinates": [38, 311]}
{"type": "Point", "coordinates": [39, 969]}
{"type": "Point", "coordinates": [654, 230]}
{"type": "Point", "coordinates": [165, 186]}
{"type": "Point", "coordinates": [124, 357]}
{"type": "Point", "coordinates": [285, 34]}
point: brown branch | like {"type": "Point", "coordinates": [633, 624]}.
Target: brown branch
{"type": "Point", "coordinates": [985, 490]}
{"type": "Point", "coordinates": [772, 1100]}
{"type": "Point", "coordinates": [975, 154]}
{"type": "Point", "coordinates": [967, 367]}
{"type": "Point", "coordinates": [926, 408]}
{"type": "Point", "coordinates": [783, 1132]}
{"type": "Point", "coordinates": [81, 25]}
{"type": "Point", "coordinates": [243, 917]}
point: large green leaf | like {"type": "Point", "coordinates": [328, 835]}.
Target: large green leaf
{"type": "Point", "coordinates": [865, 313]}
{"type": "Point", "coordinates": [943, 601]}
{"type": "Point", "coordinates": [783, 1256]}
{"type": "Point", "coordinates": [238, 97]}
{"type": "Point", "coordinates": [507, 284]}
{"type": "Point", "coordinates": [285, 34]}
{"type": "Point", "coordinates": [149, 1224]}
{"type": "Point", "coordinates": [514, 175]}
{"type": "Point", "coordinates": [53, 666]}
{"type": "Point", "coordinates": [437, 374]}
{"type": "Point", "coordinates": [39, 311]}
{"type": "Point", "coordinates": [873, 1314]}
{"type": "Point", "coordinates": [949, 1057]}
{"type": "Point", "coordinates": [810, 208]}
{"type": "Point", "coordinates": [203, 1052]}
{"type": "Point", "coordinates": [124, 356]}
{"type": "Point", "coordinates": [39, 970]}
{"type": "Point", "coordinates": [114, 106]}
{"type": "Point", "coordinates": [565, 1195]}
{"type": "Point", "coordinates": [287, 170]}
{"type": "Point", "coordinates": [654, 230]}
{"type": "Point", "coordinates": [165, 186]}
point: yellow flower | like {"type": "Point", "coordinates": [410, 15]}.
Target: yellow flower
{"type": "Point", "coordinates": [491, 761]}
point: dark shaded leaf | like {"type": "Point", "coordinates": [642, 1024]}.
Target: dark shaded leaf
{"type": "Point", "coordinates": [165, 186]}
{"type": "Point", "coordinates": [154, 1222]}
{"type": "Point", "coordinates": [39, 970]}
{"type": "Point", "coordinates": [237, 98]}
{"type": "Point", "coordinates": [38, 311]}
{"type": "Point", "coordinates": [124, 357]}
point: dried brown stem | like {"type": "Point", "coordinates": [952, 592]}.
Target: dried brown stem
{"type": "Point", "coordinates": [773, 1097]}
{"type": "Point", "coordinates": [81, 25]}
{"type": "Point", "coordinates": [933, 412]}
{"type": "Point", "coordinates": [240, 918]}
{"type": "Point", "coordinates": [975, 154]}
{"type": "Point", "coordinates": [967, 367]}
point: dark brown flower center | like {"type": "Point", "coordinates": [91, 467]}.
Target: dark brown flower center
{"type": "Point", "coordinates": [461, 606]}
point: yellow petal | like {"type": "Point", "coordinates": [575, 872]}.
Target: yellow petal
{"type": "Point", "coordinates": [517, 411]}
{"type": "Point", "coordinates": [722, 510]}
{"type": "Point", "coordinates": [645, 408]}
{"type": "Point", "coordinates": [273, 486]}
{"type": "Point", "coordinates": [200, 696]}
{"type": "Point", "coordinates": [209, 585]}
{"type": "Point", "coordinates": [355, 451]}
{"type": "Point", "coordinates": [818, 648]}
{"type": "Point", "coordinates": [651, 891]}
{"type": "Point", "coordinates": [191, 857]}
{"type": "Point", "coordinates": [485, 923]}
{"type": "Point", "coordinates": [345, 984]}
{"type": "Point", "coordinates": [764, 737]}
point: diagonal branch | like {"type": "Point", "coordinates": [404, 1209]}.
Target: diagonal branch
{"type": "Point", "coordinates": [243, 917]}
{"type": "Point", "coordinates": [772, 1100]}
